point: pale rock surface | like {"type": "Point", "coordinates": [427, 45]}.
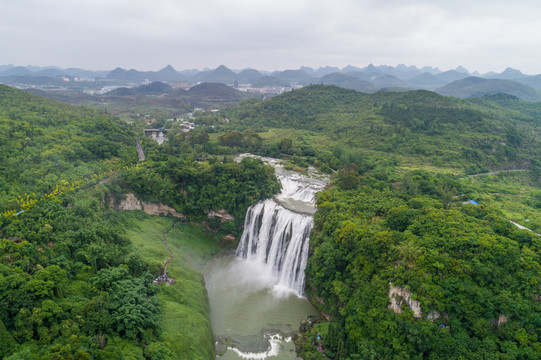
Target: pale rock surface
{"type": "Point", "coordinates": [222, 214]}
{"type": "Point", "coordinates": [398, 296]}
{"type": "Point", "coordinates": [132, 203]}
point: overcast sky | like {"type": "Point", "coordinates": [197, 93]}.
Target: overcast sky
{"type": "Point", "coordinates": [271, 34]}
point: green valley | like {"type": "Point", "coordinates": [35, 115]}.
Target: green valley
{"type": "Point", "coordinates": [76, 275]}
{"type": "Point", "coordinates": [412, 255]}
{"type": "Point", "coordinates": [401, 264]}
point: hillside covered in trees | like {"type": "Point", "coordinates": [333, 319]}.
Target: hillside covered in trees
{"type": "Point", "coordinates": [45, 143]}
{"type": "Point", "coordinates": [409, 271]}
{"type": "Point", "coordinates": [475, 135]}
{"type": "Point", "coordinates": [76, 281]}
{"type": "Point", "coordinates": [401, 264]}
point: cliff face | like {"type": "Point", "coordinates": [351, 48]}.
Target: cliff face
{"type": "Point", "coordinates": [132, 203]}
{"type": "Point", "coordinates": [399, 296]}
{"type": "Point", "coordinates": [402, 296]}
{"type": "Point", "coordinates": [222, 214]}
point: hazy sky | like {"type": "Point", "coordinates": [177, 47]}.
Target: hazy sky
{"type": "Point", "coordinates": [271, 34]}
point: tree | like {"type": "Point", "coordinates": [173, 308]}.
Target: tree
{"type": "Point", "coordinates": [231, 139]}
{"type": "Point", "coordinates": [286, 146]}
{"type": "Point", "coordinates": [346, 178]}
{"type": "Point", "coordinates": [158, 351]}
{"type": "Point", "coordinates": [7, 345]}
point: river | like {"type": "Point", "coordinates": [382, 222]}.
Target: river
{"type": "Point", "coordinates": [256, 296]}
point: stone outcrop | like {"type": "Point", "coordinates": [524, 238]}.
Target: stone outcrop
{"type": "Point", "coordinates": [222, 214]}
{"type": "Point", "coordinates": [502, 319]}
{"type": "Point", "coordinates": [132, 203]}
{"type": "Point", "coordinates": [400, 296]}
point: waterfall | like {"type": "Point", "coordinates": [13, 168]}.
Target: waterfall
{"type": "Point", "coordinates": [276, 231]}
{"type": "Point", "coordinates": [277, 237]}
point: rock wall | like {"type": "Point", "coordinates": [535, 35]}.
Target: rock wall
{"type": "Point", "coordinates": [502, 319]}
{"type": "Point", "coordinates": [222, 214]}
{"type": "Point", "coordinates": [132, 203]}
{"type": "Point", "coordinates": [399, 296]}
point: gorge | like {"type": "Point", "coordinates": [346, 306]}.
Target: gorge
{"type": "Point", "coordinates": [257, 297]}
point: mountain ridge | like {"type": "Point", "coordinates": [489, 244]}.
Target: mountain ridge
{"type": "Point", "coordinates": [477, 87]}
{"type": "Point", "coordinates": [383, 77]}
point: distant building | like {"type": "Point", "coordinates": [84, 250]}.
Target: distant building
{"type": "Point", "coordinates": [186, 126]}
{"type": "Point", "coordinates": [158, 135]}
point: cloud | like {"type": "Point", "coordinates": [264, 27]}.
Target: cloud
{"type": "Point", "coordinates": [271, 34]}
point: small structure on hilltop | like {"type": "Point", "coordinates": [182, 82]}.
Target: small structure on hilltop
{"type": "Point", "coordinates": [159, 135]}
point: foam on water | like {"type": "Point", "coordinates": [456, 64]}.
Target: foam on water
{"type": "Point", "coordinates": [274, 349]}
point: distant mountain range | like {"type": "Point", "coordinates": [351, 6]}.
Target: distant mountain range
{"type": "Point", "coordinates": [458, 82]}
{"type": "Point", "coordinates": [10, 70]}
{"type": "Point", "coordinates": [478, 87]}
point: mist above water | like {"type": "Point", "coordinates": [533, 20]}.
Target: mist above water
{"type": "Point", "coordinates": [277, 239]}
{"type": "Point", "coordinates": [257, 297]}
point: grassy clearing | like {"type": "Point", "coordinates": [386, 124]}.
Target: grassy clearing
{"type": "Point", "coordinates": [194, 244]}
{"type": "Point", "coordinates": [409, 164]}
{"type": "Point", "coordinates": [185, 324]}
{"type": "Point", "coordinates": [405, 161]}
{"type": "Point", "coordinates": [512, 193]}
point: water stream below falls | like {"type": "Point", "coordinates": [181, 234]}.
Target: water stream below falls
{"type": "Point", "coordinates": [256, 297]}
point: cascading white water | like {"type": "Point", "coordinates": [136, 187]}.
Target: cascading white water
{"type": "Point", "coordinates": [253, 295]}
{"type": "Point", "coordinates": [276, 231]}
{"type": "Point", "coordinates": [277, 237]}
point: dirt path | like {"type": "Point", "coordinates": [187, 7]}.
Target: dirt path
{"type": "Point", "coordinates": [172, 257]}
{"type": "Point", "coordinates": [523, 227]}
{"type": "Point", "coordinates": [139, 149]}
{"type": "Point", "coordinates": [164, 278]}
{"type": "Point", "coordinates": [497, 172]}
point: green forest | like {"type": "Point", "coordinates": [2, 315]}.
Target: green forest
{"type": "Point", "coordinates": [402, 265]}
{"type": "Point", "coordinates": [74, 284]}
{"type": "Point", "coordinates": [472, 276]}
{"type": "Point", "coordinates": [416, 125]}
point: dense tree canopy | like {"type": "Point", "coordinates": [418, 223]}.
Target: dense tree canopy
{"type": "Point", "coordinates": [72, 286]}
{"type": "Point", "coordinates": [43, 142]}
{"type": "Point", "coordinates": [400, 265]}
{"type": "Point", "coordinates": [471, 134]}
{"type": "Point", "coordinates": [194, 188]}
{"type": "Point", "coordinates": [474, 275]}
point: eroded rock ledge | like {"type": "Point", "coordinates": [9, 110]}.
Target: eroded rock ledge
{"type": "Point", "coordinates": [402, 296]}
{"type": "Point", "coordinates": [222, 214]}
{"type": "Point", "coordinates": [399, 296]}
{"type": "Point", "coordinates": [132, 203]}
